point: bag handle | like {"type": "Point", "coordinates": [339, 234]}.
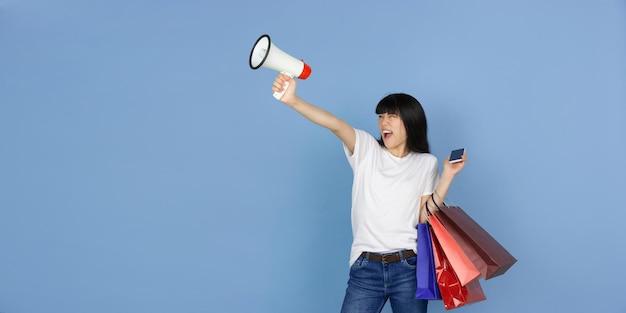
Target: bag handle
{"type": "Point", "coordinates": [432, 196]}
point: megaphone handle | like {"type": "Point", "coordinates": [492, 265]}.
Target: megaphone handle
{"type": "Point", "coordinates": [279, 95]}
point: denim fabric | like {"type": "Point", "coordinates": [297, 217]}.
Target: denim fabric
{"type": "Point", "coordinates": [372, 283]}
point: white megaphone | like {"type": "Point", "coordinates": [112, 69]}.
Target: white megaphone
{"type": "Point", "coordinates": [266, 54]}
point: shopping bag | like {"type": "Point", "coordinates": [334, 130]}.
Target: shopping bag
{"type": "Point", "coordinates": [459, 260]}
{"type": "Point", "coordinates": [465, 245]}
{"type": "Point", "coordinates": [453, 293]}
{"type": "Point", "coordinates": [487, 254]}
{"type": "Point", "coordinates": [427, 288]}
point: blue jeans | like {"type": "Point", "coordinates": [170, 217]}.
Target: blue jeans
{"type": "Point", "coordinates": [372, 283]}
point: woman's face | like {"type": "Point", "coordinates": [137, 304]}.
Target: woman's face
{"type": "Point", "coordinates": [393, 133]}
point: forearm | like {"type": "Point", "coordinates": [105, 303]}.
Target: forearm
{"type": "Point", "coordinates": [439, 194]}
{"type": "Point", "coordinates": [445, 181]}
{"type": "Point", "coordinates": [450, 170]}
{"type": "Point", "coordinates": [319, 116]}
{"type": "Point", "coordinates": [315, 114]}
{"type": "Point", "coordinates": [441, 190]}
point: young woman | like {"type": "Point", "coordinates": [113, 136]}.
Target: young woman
{"type": "Point", "coordinates": [394, 176]}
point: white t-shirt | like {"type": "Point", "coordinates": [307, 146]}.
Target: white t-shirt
{"type": "Point", "coordinates": [386, 195]}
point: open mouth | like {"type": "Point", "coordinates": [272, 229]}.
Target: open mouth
{"type": "Point", "coordinates": [387, 134]}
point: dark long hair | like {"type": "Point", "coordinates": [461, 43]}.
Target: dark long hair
{"type": "Point", "coordinates": [412, 114]}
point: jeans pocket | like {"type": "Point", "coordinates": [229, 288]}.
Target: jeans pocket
{"type": "Point", "coordinates": [359, 263]}
{"type": "Point", "coordinates": [410, 262]}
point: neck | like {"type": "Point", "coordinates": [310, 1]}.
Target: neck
{"type": "Point", "coordinates": [399, 152]}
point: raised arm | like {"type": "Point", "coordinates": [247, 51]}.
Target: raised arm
{"type": "Point", "coordinates": [450, 170]}
{"type": "Point", "coordinates": [321, 117]}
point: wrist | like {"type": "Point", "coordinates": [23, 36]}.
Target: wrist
{"type": "Point", "coordinates": [293, 102]}
{"type": "Point", "coordinates": [447, 175]}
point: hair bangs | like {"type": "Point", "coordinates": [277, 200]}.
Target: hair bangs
{"type": "Point", "coordinates": [389, 105]}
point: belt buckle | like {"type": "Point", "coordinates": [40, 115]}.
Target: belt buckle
{"type": "Point", "coordinates": [387, 255]}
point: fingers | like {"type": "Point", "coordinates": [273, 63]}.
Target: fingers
{"type": "Point", "coordinates": [279, 82]}
{"type": "Point", "coordinates": [278, 86]}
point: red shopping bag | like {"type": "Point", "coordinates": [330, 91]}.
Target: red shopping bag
{"type": "Point", "coordinates": [463, 243]}
{"type": "Point", "coordinates": [465, 270]}
{"type": "Point", "coordinates": [453, 293]}
{"type": "Point", "coordinates": [489, 256]}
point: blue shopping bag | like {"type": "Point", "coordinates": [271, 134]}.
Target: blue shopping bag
{"type": "Point", "coordinates": [427, 288]}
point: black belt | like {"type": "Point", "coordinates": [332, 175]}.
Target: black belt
{"type": "Point", "coordinates": [388, 257]}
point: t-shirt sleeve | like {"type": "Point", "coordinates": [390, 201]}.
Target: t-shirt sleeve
{"type": "Point", "coordinates": [362, 144]}
{"type": "Point", "coordinates": [432, 177]}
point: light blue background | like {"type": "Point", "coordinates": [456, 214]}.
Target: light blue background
{"type": "Point", "coordinates": [144, 167]}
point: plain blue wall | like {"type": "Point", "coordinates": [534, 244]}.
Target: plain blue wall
{"type": "Point", "coordinates": [144, 167]}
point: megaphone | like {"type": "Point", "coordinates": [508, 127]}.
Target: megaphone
{"type": "Point", "coordinates": [265, 54]}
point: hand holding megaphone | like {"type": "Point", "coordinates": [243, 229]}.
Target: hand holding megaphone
{"type": "Point", "coordinates": [284, 87]}
{"type": "Point", "coordinates": [265, 54]}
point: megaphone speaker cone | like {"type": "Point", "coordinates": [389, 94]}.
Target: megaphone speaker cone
{"type": "Point", "coordinates": [260, 51]}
